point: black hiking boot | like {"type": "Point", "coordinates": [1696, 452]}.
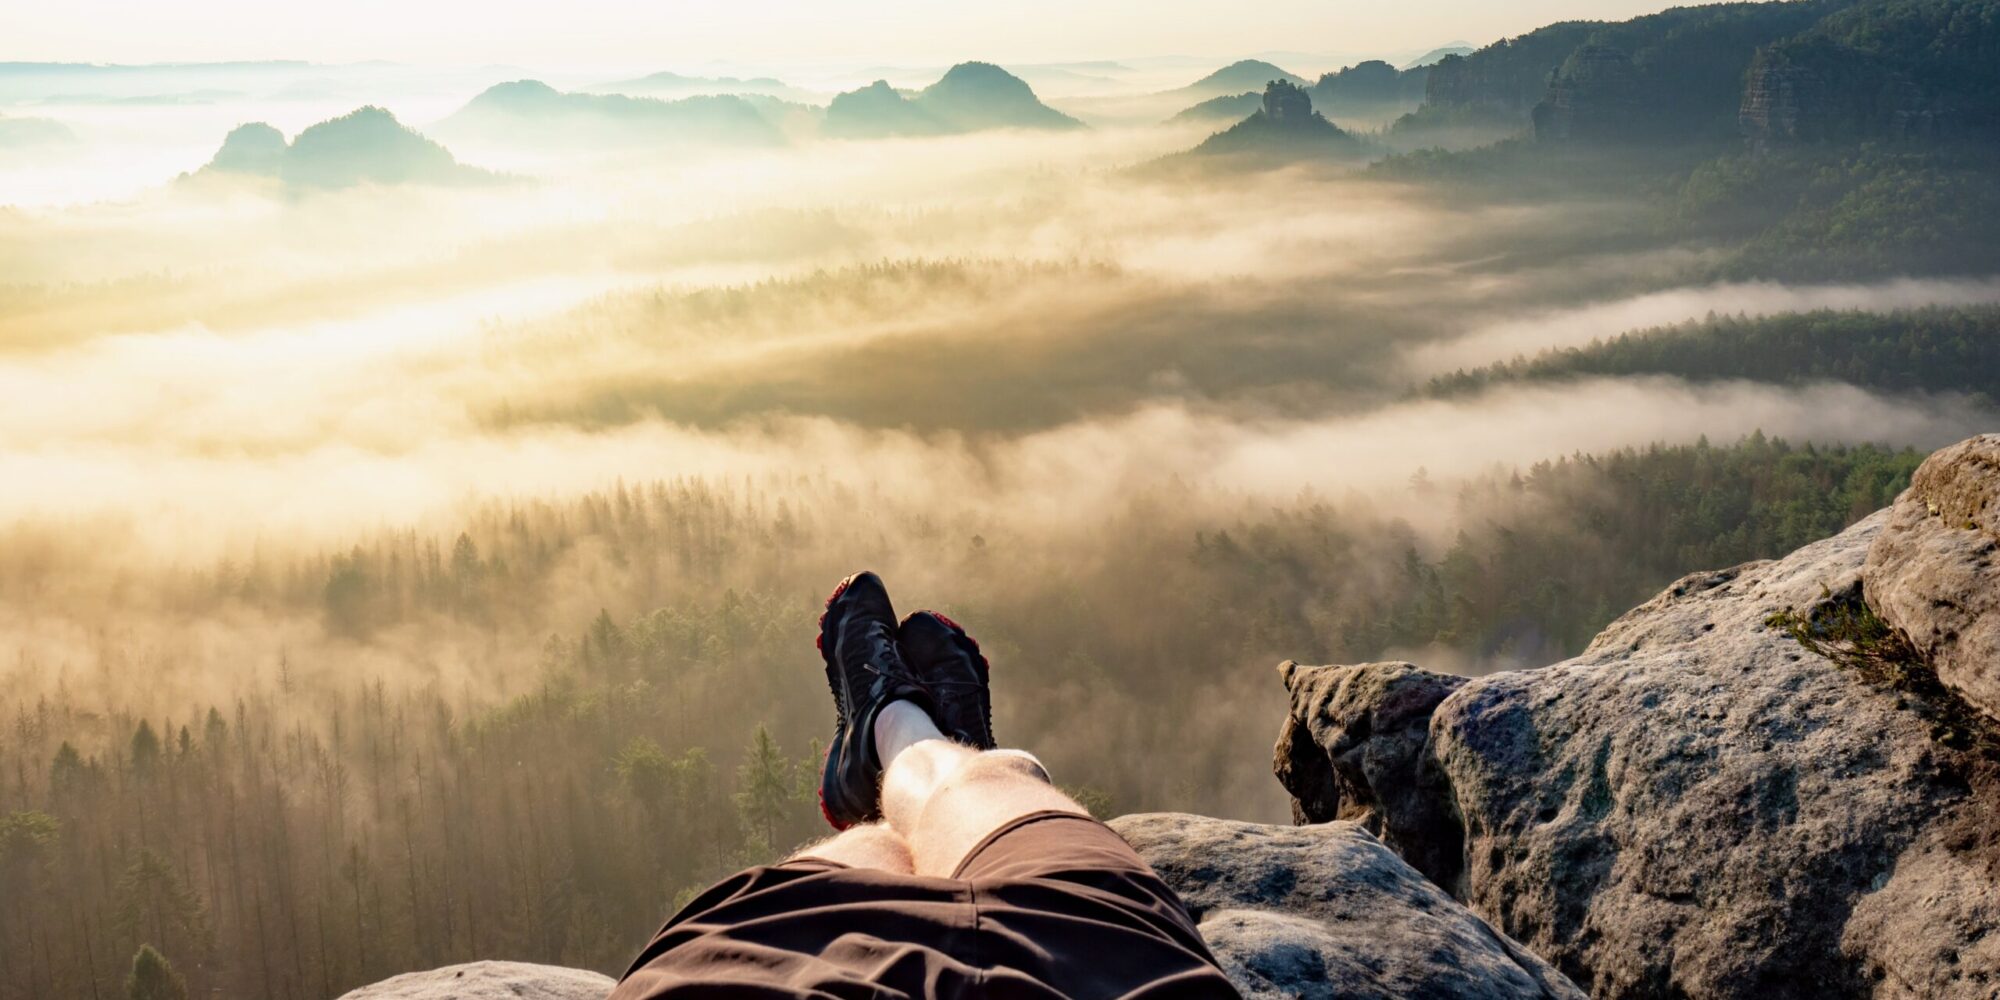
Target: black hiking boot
{"type": "Point", "coordinates": [950, 664]}
{"type": "Point", "coordinates": [857, 639]}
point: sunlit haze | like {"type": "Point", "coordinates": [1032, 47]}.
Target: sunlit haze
{"type": "Point", "coordinates": [429, 431]}
{"type": "Point", "coordinates": [764, 34]}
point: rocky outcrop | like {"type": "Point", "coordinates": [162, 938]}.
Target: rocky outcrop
{"type": "Point", "coordinates": [1284, 129]}
{"type": "Point", "coordinates": [1698, 805]}
{"type": "Point", "coordinates": [1369, 725]}
{"type": "Point", "coordinates": [1327, 911]}
{"type": "Point", "coordinates": [1292, 912]}
{"type": "Point", "coordinates": [489, 981]}
{"type": "Point", "coordinates": [1776, 97]}
{"type": "Point", "coordinates": [1594, 96]}
{"type": "Point", "coordinates": [1931, 573]}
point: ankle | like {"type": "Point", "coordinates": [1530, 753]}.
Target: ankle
{"type": "Point", "coordinates": [900, 725]}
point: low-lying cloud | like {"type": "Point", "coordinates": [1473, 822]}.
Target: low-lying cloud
{"type": "Point", "coordinates": [1525, 336]}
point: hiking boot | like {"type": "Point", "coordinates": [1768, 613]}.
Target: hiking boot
{"type": "Point", "coordinates": [857, 639]}
{"type": "Point", "coordinates": [950, 664]}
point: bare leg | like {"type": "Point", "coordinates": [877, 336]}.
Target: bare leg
{"type": "Point", "coordinates": [945, 798]}
{"type": "Point", "coordinates": [870, 845]}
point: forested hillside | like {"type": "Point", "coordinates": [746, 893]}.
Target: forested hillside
{"type": "Point", "coordinates": [1919, 350]}
{"type": "Point", "coordinates": [362, 794]}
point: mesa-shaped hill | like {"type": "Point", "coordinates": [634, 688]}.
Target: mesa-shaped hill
{"type": "Point", "coordinates": [365, 146]}
{"type": "Point", "coordinates": [530, 112]}
{"type": "Point", "coordinates": [970, 97]}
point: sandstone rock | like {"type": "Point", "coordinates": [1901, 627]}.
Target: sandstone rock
{"type": "Point", "coordinates": [1327, 911]}
{"type": "Point", "coordinates": [1287, 103]}
{"type": "Point", "coordinates": [1372, 721]}
{"type": "Point", "coordinates": [1698, 807]}
{"type": "Point", "coordinates": [1593, 95]}
{"type": "Point", "coordinates": [490, 981]}
{"type": "Point", "coordinates": [1779, 104]}
{"type": "Point", "coordinates": [1931, 572]}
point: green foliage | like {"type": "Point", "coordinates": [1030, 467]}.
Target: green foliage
{"type": "Point", "coordinates": [768, 790]}
{"type": "Point", "coordinates": [647, 773]}
{"type": "Point", "coordinates": [1822, 214]}
{"type": "Point", "coordinates": [1936, 349]}
{"type": "Point", "coordinates": [153, 978]}
{"type": "Point", "coordinates": [1849, 632]}
{"type": "Point", "coordinates": [145, 749]}
{"type": "Point", "coordinates": [26, 838]}
{"type": "Point", "coordinates": [156, 902]}
{"type": "Point", "coordinates": [1843, 629]}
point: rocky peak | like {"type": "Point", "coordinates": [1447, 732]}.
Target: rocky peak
{"type": "Point", "coordinates": [1287, 103]}
{"type": "Point", "coordinates": [1593, 95]}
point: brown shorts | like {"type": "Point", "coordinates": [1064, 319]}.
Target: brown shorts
{"type": "Point", "coordinates": [1050, 905]}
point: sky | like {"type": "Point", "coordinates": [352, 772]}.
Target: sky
{"type": "Point", "coordinates": [759, 32]}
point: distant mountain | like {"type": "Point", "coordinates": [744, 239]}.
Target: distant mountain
{"type": "Point", "coordinates": [1237, 77]}
{"type": "Point", "coordinates": [255, 148]}
{"type": "Point", "coordinates": [675, 85]}
{"type": "Point", "coordinates": [529, 112]}
{"type": "Point", "coordinates": [365, 146]}
{"type": "Point", "coordinates": [1230, 107]}
{"type": "Point", "coordinates": [878, 110]}
{"type": "Point", "coordinates": [971, 97]}
{"type": "Point", "coordinates": [33, 133]}
{"type": "Point", "coordinates": [976, 95]}
{"type": "Point", "coordinates": [1435, 56]}
{"type": "Point", "coordinates": [1284, 129]}
{"type": "Point", "coordinates": [1370, 86]}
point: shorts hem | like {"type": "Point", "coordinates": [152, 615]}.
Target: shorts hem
{"type": "Point", "coordinates": [1010, 826]}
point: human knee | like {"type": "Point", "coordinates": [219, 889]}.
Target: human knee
{"type": "Point", "coordinates": [868, 845]}
{"type": "Point", "coordinates": [1002, 765]}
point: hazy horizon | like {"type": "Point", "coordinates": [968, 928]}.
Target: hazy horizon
{"type": "Point", "coordinates": [766, 34]}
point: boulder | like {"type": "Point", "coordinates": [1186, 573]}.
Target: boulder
{"type": "Point", "coordinates": [1371, 722]}
{"type": "Point", "coordinates": [1697, 806]}
{"type": "Point", "coordinates": [490, 981]}
{"type": "Point", "coordinates": [1931, 573]}
{"type": "Point", "coordinates": [1327, 911]}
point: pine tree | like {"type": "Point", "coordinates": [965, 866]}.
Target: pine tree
{"type": "Point", "coordinates": [152, 978]}
{"type": "Point", "coordinates": [145, 749]}
{"type": "Point", "coordinates": [765, 787]}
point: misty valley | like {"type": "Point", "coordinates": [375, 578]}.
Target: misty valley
{"type": "Point", "coordinates": [418, 486]}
